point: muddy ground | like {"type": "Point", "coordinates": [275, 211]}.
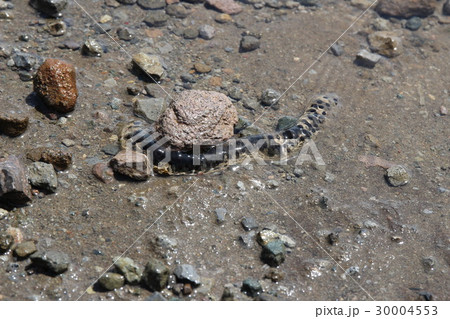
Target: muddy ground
{"type": "Point", "coordinates": [391, 111]}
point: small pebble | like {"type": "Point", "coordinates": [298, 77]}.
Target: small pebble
{"type": "Point", "coordinates": [397, 175]}
{"type": "Point", "coordinates": [111, 281]}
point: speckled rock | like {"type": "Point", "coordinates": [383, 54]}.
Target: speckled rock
{"type": "Point", "coordinates": [132, 164]}
{"type": "Point", "coordinates": [13, 124]}
{"type": "Point", "coordinates": [14, 187]}
{"type": "Point", "coordinates": [406, 8]}
{"type": "Point", "coordinates": [198, 117]}
{"type": "Point", "coordinates": [225, 6]}
{"type": "Point", "coordinates": [386, 43]}
{"type": "Point", "coordinates": [52, 8]}
{"type": "Point", "coordinates": [53, 261]}
{"type": "Point", "coordinates": [129, 269]}
{"type": "Point", "coordinates": [43, 176]}
{"type": "Point", "coordinates": [397, 175]}
{"type": "Point", "coordinates": [149, 64]}
{"type": "Point", "coordinates": [55, 83]}
{"type": "Point", "coordinates": [111, 281]}
{"type": "Point", "coordinates": [155, 275]}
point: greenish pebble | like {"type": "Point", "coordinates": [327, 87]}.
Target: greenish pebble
{"type": "Point", "coordinates": [251, 287]}
{"type": "Point", "coordinates": [131, 271]}
{"type": "Point", "coordinates": [156, 275]}
{"type": "Point", "coordinates": [111, 281]}
{"type": "Point", "coordinates": [274, 253]}
{"type": "Point", "coordinates": [286, 122]}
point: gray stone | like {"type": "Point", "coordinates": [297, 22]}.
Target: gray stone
{"type": "Point", "coordinates": [252, 287]}
{"type": "Point", "coordinates": [91, 48]}
{"type": "Point", "coordinates": [156, 296]}
{"type": "Point", "coordinates": [52, 8]}
{"type": "Point", "coordinates": [129, 269]}
{"type": "Point", "coordinates": [125, 34]}
{"type": "Point", "coordinates": [337, 49]}
{"type": "Point", "coordinates": [53, 261]}
{"type": "Point", "coordinates": [249, 43]}
{"type": "Point", "coordinates": [149, 109]}
{"type": "Point", "coordinates": [155, 275]}
{"type": "Point", "coordinates": [150, 64]}
{"type": "Point", "coordinates": [14, 187]}
{"type": "Point", "coordinates": [127, 2]}
{"type": "Point", "coordinates": [413, 23]}
{"type": "Point", "coordinates": [156, 18]}
{"type": "Point", "coordinates": [190, 33]}
{"type": "Point", "coordinates": [152, 4]}
{"type": "Point", "coordinates": [270, 97]}
{"type": "Point", "coordinates": [366, 59]}
{"type": "Point", "coordinates": [309, 3]}
{"type": "Point", "coordinates": [247, 239]}
{"type": "Point", "coordinates": [235, 93]}
{"type": "Point", "coordinates": [68, 142]}
{"type": "Point", "coordinates": [397, 175]}
{"type": "Point", "coordinates": [249, 223]}
{"type": "Point", "coordinates": [446, 8]}
{"type": "Point", "coordinates": [220, 215]}
{"type": "Point", "coordinates": [166, 242]}
{"type": "Point", "coordinates": [111, 281]}
{"type": "Point", "coordinates": [274, 253]}
{"type": "Point", "coordinates": [154, 90]}
{"type": "Point", "coordinates": [286, 122]}
{"type": "Point", "coordinates": [177, 10]}
{"type": "Point", "coordinates": [25, 249]}
{"type": "Point", "coordinates": [186, 274]}
{"type": "Point", "coordinates": [43, 176]}
{"type": "Point", "coordinates": [206, 32]}
{"type": "Point", "coordinates": [26, 61]}
{"type": "Point", "coordinates": [111, 149]}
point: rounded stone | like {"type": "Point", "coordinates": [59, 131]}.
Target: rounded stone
{"type": "Point", "coordinates": [55, 83]}
{"type": "Point", "coordinates": [270, 97]}
{"type": "Point", "coordinates": [111, 281]}
{"type": "Point", "coordinates": [413, 24]}
{"type": "Point", "coordinates": [152, 4]}
{"type": "Point", "coordinates": [25, 249]}
{"type": "Point", "coordinates": [249, 43]}
{"type": "Point", "coordinates": [13, 124]}
{"type": "Point", "coordinates": [397, 175]}
{"type": "Point", "coordinates": [156, 18]}
{"type": "Point", "coordinates": [198, 117]}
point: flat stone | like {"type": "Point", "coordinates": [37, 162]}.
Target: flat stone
{"type": "Point", "coordinates": [13, 124]}
{"type": "Point", "coordinates": [149, 109]}
{"type": "Point", "coordinates": [202, 68]}
{"type": "Point", "coordinates": [43, 176]}
{"type": "Point", "coordinates": [197, 117]}
{"type": "Point", "coordinates": [156, 275]}
{"type": "Point", "coordinates": [225, 6]}
{"type": "Point", "coordinates": [366, 59]}
{"type": "Point", "coordinates": [406, 8]}
{"type": "Point", "coordinates": [156, 18]}
{"type": "Point", "coordinates": [129, 269]}
{"type": "Point", "coordinates": [14, 187]}
{"type": "Point", "coordinates": [190, 33]}
{"type": "Point", "coordinates": [156, 296]}
{"type": "Point", "coordinates": [152, 4]}
{"type": "Point", "coordinates": [386, 43]}
{"type": "Point", "coordinates": [55, 83]}
{"type": "Point", "coordinates": [25, 249]}
{"type": "Point", "coordinates": [177, 10]}
{"type": "Point", "coordinates": [132, 164]}
{"type": "Point", "coordinates": [150, 65]}
{"type": "Point", "coordinates": [53, 261]}
{"type": "Point", "coordinates": [187, 274]}
{"type": "Point", "coordinates": [52, 8]}
{"type": "Point", "coordinates": [111, 281]}
{"type": "Point", "coordinates": [127, 2]}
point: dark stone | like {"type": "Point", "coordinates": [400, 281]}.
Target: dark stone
{"type": "Point", "coordinates": [53, 261]}
{"type": "Point", "coordinates": [413, 23]}
{"type": "Point", "coordinates": [446, 8]}
{"type": "Point", "coordinates": [125, 34]}
{"type": "Point", "coordinates": [13, 124]}
{"type": "Point", "coordinates": [337, 49]}
{"type": "Point", "coordinates": [274, 253]}
{"type": "Point", "coordinates": [251, 287]}
{"type": "Point", "coordinates": [111, 281]}
{"type": "Point", "coordinates": [190, 33]}
{"type": "Point", "coordinates": [6, 241]}
{"type": "Point", "coordinates": [249, 223]}
{"type": "Point", "coordinates": [52, 8]}
{"type": "Point", "coordinates": [14, 187]}
{"type": "Point", "coordinates": [152, 4]}
{"type": "Point", "coordinates": [155, 275]}
{"type": "Point", "coordinates": [156, 18]}
{"type": "Point", "coordinates": [177, 10]}
{"type": "Point", "coordinates": [249, 43]}
{"type": "Point", "coordinates": [186, 274]}
{"type": "Point", "coordinates": [405, 8]}
{"type": "Point", "coordinates": [286, 122]}
{"type": "Point", "coordinates": [127, 2]}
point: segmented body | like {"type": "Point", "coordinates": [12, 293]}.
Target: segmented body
{"type": "Point", "coordinates": [140, 136]}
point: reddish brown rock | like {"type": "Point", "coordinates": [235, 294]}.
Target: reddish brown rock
{"type": "Point", "coordinates": [60, 159]}
{"type": "Point", "coordinates": [225, 6]}
{"type": "Point", "coordinates": [55, 84]}
{"type": "Point", "coordinates": [13, 124]}
{"type": "Point", "coordinates": [198, 118]}
{"type": "Point", "coordinates": [14, 187]}
{"type": "Point", "coordinates": [102, 172]}
{"type": "Point", "coordinates": [132, 164]}
{"type": "Point", "coordinates": [406, 8]}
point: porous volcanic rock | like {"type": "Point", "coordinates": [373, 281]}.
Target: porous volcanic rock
{"type": "Point", "coordinates": [198, 117]}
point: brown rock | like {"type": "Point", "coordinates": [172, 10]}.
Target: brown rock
{"type": "Point", "coordinates": [198, 118]}
{"type": "Point", "coordinates": [406, 8]}
{"type": "Point", "coordinates": [225, 6]}
{"type": "Point", "coordinates": [25, 249]}
{"type": "Point", "coordinates": [13, 124]}
{"type": "Point", "coordinates": [102, 172]}
{"type": "Point", "coordinates": [386, 43]}
{"type": "Point", "coordinates": [202, 68]}
{"type": "Point", "coordinates": [14, 187]}
{"type": "Point", "coordinates": [55, 84]}
{"type": "Point", "coordinates": [132, 164]}
{"type": "Point", "coordinates": [60, 159]}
